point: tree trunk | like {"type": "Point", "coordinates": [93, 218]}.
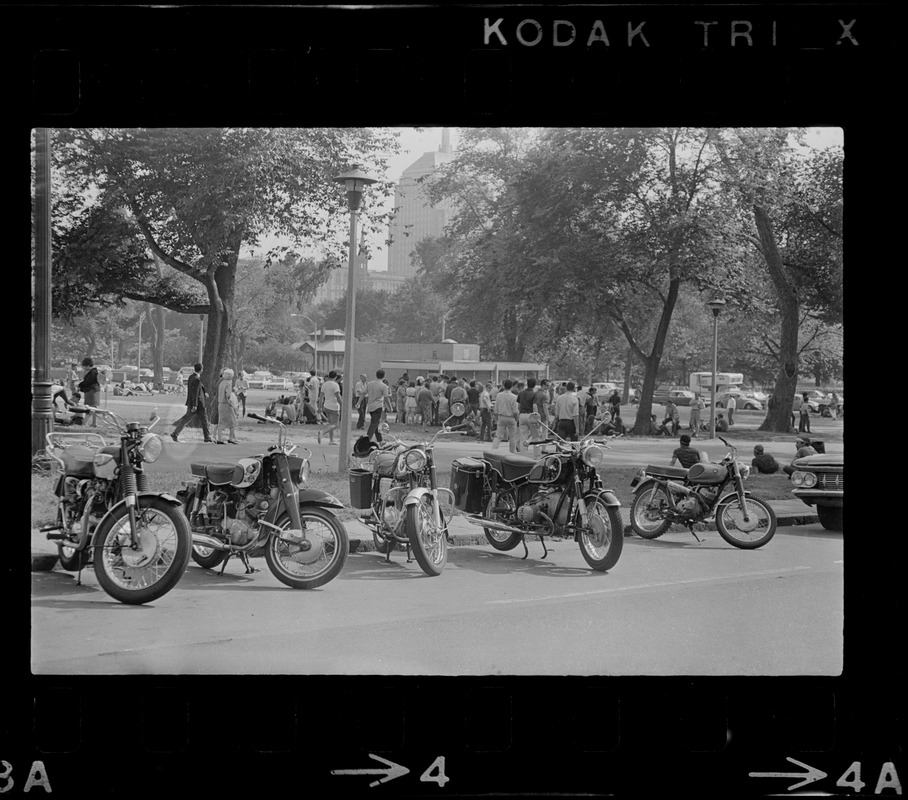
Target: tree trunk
{"type": "Point", "coordinates": [628, 363]}
{"type": "Point", "coordinates": [778, 418]}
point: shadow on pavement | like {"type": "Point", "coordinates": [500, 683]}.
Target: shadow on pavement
{"type": "Point", "coordinates": [372, 566]}
{"type": "Point", "coordinates": [494, 562]}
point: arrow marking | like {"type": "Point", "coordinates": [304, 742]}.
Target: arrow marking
{"type": "Point", "coordinates": [395, 771]}
{"type": "Point", "coordinates": [812, 774]}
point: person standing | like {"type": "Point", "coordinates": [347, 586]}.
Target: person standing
{"type": "Point", "coordinates": [473, 392]}
{"type": "Point", "coordinates": [804, 409]}
{"type": "Point", "coordinates": [485, 413]}
{"type": "Point", "coordinates": [614, 403]}
{"type": "Point", "coordinates": [410, 403]}
{"type": "Point", "coordinates": [359, 401]}
{"type": "Point", "coordinates": [376, 392]}
{"type": "Point", "coordinates": [731, 405]}
{"type": "Point", "coordinates": [592, 406]}
{"type": "Point", "coordinates": [90, 387]}
{"type": "Point", "coordinates": [401, 395]}
{"type": "Point", "coordinates": [834, 405]}
{"type": "Point", "coordinates": [241, 386]}
{"type": "Point", "coordinates": [458, 394]}
{"type": "Point", "coordinates": [227, 408]}
{"type": "Point", "coordinates": [697, 406]}
{"type": "Point", "coordinates": [424, 405]}
{"type": "Point", "coordinates": [195, 406]}
{"type": "Point", "coordinates": [567, 413]}
{"type": "Point", "coordinates": [506, 409]}
{"type": "Point", "coordinates": [671, 417]}
{"type": "Point", "coordinates": [526, 405]}
{"type": "Point", "coordinates": [331, 404]}
{"type": "Point", "coordinates": [73, 380]}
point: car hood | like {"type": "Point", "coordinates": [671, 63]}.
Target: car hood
{"type": "Point", "coordinates": [821, 460]}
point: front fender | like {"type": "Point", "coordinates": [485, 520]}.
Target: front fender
{"type": "Point", "coordinates": [316, 497]}
{"type": "Point", "coordinates": [726, 499]}
{"type": "Point", "coordinates": [416, 495]}
{"type": "Point", "coordinates": [163, 495]}
{"type": "Point", "coordinates": [607, 496]}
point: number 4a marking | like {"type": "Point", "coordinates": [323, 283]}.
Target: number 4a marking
{"type": "Point", "coordinates": [889, 779]}
{"type": "Point", "coordinates": [438, 768]}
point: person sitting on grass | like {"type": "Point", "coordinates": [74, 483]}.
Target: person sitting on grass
{"type": "Point", "coordinates": [802, 448]}
{"type": "Point", "coordinates": [685, 454]}
{"type": "Point", "coordinates": [721, 423]}
{"type": "Point", "coordinates": [764, 462]}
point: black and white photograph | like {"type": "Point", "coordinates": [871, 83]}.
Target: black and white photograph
{"type": "Point", "coordinates": [450, 400]}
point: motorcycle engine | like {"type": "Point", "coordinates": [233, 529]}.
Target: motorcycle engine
{"type": "Point", "coordinates": [690, 506]}
{"type": "Point", "coordinates": [528, 513]}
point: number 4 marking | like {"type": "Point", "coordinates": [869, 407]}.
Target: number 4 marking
{"type": "Point", "coordinates": [438, 768]}
{"type": "Point", "coordinates": [852, 777]}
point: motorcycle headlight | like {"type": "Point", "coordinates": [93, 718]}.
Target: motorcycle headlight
{"type": "Point", "coordinates": [593, 455]}
{"type": "Point", "coordinates": [303, 477]}
{"type": "Point", "coordinates": [414, 460]}
{"type": "Point", "coordinates": [151, 447]}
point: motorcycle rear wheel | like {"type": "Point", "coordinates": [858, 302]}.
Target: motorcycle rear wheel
{"type": "Point", "coordinates": [165, 540]}
{"type": "Point", "coordinates": [754, 533]}
{"type": "Point", "coordinates": [429, 543]}
{"type": "Point", "coordinates": [309, 569]}
{"type": "Point", "coordinates": [500, 540]}
{"type": "Point", "coordinates": [602, 542]}
{"type": "Point", "coordinates": [645, 509]}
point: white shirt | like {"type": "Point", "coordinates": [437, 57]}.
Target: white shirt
{"type": "Point", "coordinates": [329, 392]}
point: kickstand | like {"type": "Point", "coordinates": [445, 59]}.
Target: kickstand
{"type": "Point", "coordinates": [691, 529]}
{"type": "Point", "coordinates": [249, 568]}
{"type": "Point", "coordinates": [79, 574]}
{"type": "Point", "coordinates": [224, 563]}
{"type": "Point", "coordinates": [523, 541]}
{"type": "Point", "coordinates": [545, 552]}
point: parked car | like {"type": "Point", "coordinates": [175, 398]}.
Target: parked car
{"type": "Point", "coordinates": [743, 400]}
{"type": "Point", "coordinates": [820, 481]}
{"type": "Point", "coordinates": [679, 396]}
{"type": "Point", "coordinates": [186, 372]}
{"type": "Point", "coordinates": [258, 379]}
{"type": "Point", "coordinates": [279, 384]}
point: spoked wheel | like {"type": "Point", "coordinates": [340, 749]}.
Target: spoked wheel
{"type": "Point", "coordinates": [649, 503]}
{"type": "Point", "coordinates": [317, 558]}
{"type": "Point", "coordinates": [750, 533]}
{"type": "Point", "coordinates": [428, 541]}
{"type": "Point", "coordinates": [500, 540]}
{"type": "Point", "coordinates": [208, 557]}
{"type": "Point", "coordinates": [601, 543]}
{"type": "Point", "coordinates": [71, 559]}
{"type": "Point", "coordinates": [150, 570]}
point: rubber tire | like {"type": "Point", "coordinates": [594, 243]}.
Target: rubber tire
{"type": "Point", "coordinates": [342, 550]}
{"type": "Point", "coordinates": [382, 546]}
{"type": "Point", "coordinates": [643, 491]}
{"type": "Point", "coordinates": [173, 573]}
{"type": "Point", "coordinates": [76, 561]}
{"type": "Point", "coordinates": [723, 532]}
{"type": "Point", "coordinates": [412, 526]}
{"type": "Point", "coordinates": [831, 518]}
{"type": "Point", "coordinates": [214, 559]}
{"type": "Point", "coordinates": [508, 543]}
{"type": "Point", "coordinates": [617, 545]}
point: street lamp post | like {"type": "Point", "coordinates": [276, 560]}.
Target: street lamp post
{"type": "Point", "coordinates": [354, 181]}
{"type": "Point", "coordinates": [314, 338]}
{"type": "Point", "coordinates": [715, 305]}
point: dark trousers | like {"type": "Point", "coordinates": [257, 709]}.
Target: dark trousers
{"type": "Point", "coordinates": [375, 419]}
{"type": "Point", "coordinates": [485, 429]}
{"type": "Point", "coordinates": [566, 429]}
{"type": "Point", "coordinates": [804, 424]}
{"type": "Point", "coordinates": [201, 416]}
{"type": "Point", "coordinates": [242, 399]}
{"type": "Point", "coordinates": [361, 422]}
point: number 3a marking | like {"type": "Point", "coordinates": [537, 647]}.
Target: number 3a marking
{"type": "Point", "coordinates": [439, 777]}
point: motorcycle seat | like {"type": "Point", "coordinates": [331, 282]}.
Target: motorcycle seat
{"type": "Point", "coordinates": [218, 474]}
{"type": "Point", "coordinates": [661, 471]}
{"type": "Point", "coordinates": [383, 463]}
{"type": "Point", "coordinates": [511, 467]}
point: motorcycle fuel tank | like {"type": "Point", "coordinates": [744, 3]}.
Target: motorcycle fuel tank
{"type": "Point", "coordinates": [704, 473]}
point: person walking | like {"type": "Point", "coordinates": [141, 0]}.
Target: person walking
{"type": "Point", "coordinates": [731, 406]}
{"type": "Point", "coordinates": [241, 386]}
{"type": "Point", "coordinates": [804, 409]}
{"type": "Point", "coordinates": [90, 387]}
{"type": "Point", "coordinates": [696, 407]}
{"type": "Point", "coordinates": [567, 413]}
{"type": "Point", "coordinates": [359, 401]}
{"type": "Point", "coordinates": [195, 406]}
{"type": "Point", "coordinates": [376, 392]}
{"type": "Point", "coordinates": [227, 408]}
{"type": "Point", "coordinates": [331, 405]}
{"type": "Point", "coordinates": [507, 411]}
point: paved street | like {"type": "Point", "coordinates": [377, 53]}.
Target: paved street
{"type": "Point", "coordinates": [670, 606]}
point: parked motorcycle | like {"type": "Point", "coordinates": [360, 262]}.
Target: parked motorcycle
{"type": "Point", "coordinates": [706, 491]}
{"type": "Point", "coordinates": [260, 502]}
{"type": "Point", "coordinates": [512, 496]}
{"type": "Point", "coordinates": [396, 482]}
{"type": "Point", "coordinates": [138, 540]}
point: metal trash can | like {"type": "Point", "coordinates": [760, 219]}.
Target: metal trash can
{"type": "Point", "coordinates": [467, 475]}
{"type": "Point", "coordinates": [360, 487]}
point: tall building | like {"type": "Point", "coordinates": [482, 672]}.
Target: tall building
{"type": "Point", "coordinates": [414, 218]}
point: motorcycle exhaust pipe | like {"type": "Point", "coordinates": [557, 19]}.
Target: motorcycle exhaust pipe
{"type": "Point", "coordinates": [209, 541]}
{"type": "Point", "coordinates": [678, 488]}
{"type": "Point", "coordinates": [495, 526]}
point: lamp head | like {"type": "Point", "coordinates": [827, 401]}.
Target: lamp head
{"type": "Point", "coordinates": [715, 305]}
{"type": "Point", "coordinates": [354, 181]}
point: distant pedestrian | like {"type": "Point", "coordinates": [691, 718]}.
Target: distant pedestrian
{"type": "Point", "coordinates": [804, 409]}
{"type": "Point", "coordinates": [614, 403]}
{"type": "Point", "coordinates": [376, 392]}
{"type": "Point", "coordinates": [567, 412]}
{"type": "Point", "coordinates": [73, 379]}
{"type": "Point", "coordinates": [331, 405]}
{"type": "Point", "coordinates": [424, 405]}
{"type": "Point", "coordinates": [458, 395]}
{"type": "Point", "coordinates": [672, 418]}
{"type": "Point", "coordinates": [227, 408]}
{"type": "Point", "coordinates": [410, 403]}
{"type": "Point", "coordinates": [485, 413]}
{"type": "Point", "coordinates": [803, 448]}
{"type": "Point", "coordinates": [764, 462]}
{"type": "Point", "coordinates": [359, 401]}
{"type": "Point", "coordinates": [195, 406]}
{"type": "Point", "coordinates": [526, 407]}
{"type": "Point", "coordinates": [241, 386]}
{"type": "Point", "coordinates": [684, 453]}
{"type": "Point", "coordinates": [90, 387]}
{"type": "Point", "coordinates": [507, 410]}
{"type": "Point", "coordinates": [730, 406]}
{"type": "Point", "coordinates": [592, 406]}
{"type": "Point", "coordinates": [834, 406]}
{"type": "Point", "coordinates": [696, 407]}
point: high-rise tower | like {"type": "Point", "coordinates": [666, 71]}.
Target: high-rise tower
{"type": "Point", "coordinates": [414, 218]}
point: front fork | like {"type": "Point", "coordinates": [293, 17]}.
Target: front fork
{"type": "Point", "coordinates": [739, 488]}
{"type": "Point", "coordinates": [433, 486]}
{"type": "Point", "coordinates": [290, 493]}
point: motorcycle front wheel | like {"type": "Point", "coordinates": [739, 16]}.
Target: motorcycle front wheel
{"type": "Point", "coordinates": [500, 540]}
{"type": "Point", "coordinates": [316, 560]}
{"type": "Point", "coordinates": [755, 531]}
{"type": "Point", "coordinates": [649, 502]}
{"type": "Point", "coordinates": [429, 543]}
{"type": "Point", "coordinates": [136, 576]}
{"type": "Point", "coordinates": [602, 541]}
